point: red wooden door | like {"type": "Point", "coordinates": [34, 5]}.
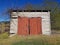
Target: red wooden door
{"type": "Point", "coordinates": [22, 26]}
{"type": "Point", "coordinates": [39, 25]}
{"type": "Point", "coordinates": [35, 26]}
{"type": "Point", "coordinates": [30, 26]}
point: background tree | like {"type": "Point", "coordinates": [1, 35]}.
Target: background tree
{"type": "Point", "coordinates": [53, 5]}
{"type": "Point", "coordinates": [29, 6]}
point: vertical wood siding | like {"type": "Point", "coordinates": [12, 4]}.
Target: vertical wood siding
{"type": "Point", "coordinates": [22, 26]}
{"type": "Point", "coordinates": [29, 26]}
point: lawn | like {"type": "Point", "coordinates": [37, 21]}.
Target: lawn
{"type": "Point", "coordinates": [32, 40]}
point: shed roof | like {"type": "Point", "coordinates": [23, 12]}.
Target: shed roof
{"type": "Point", "coordinates": [30, 10]}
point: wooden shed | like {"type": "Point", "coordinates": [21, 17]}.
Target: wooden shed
{"type": "Point", "coordinates": [30, 22]}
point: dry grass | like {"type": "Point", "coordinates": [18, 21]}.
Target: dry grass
{"type": "Point", "coordinates": [10, 40]}
{"type": "Point", "coordinates": [45, 40]}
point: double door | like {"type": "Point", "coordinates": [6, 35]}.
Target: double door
{"type": "Point", "coordinates": [29, 26]}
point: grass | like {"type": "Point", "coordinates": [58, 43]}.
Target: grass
{"type": "Point", "coordinates": [32, 40]}
{"type": "Point", "coordinates": [4, 35]}
{"type": "Point", "coordinates": [40, 40]}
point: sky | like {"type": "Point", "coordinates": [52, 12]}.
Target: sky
{"type": "Point", "coordinates": [6, 4]}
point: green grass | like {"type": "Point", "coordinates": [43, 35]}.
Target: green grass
{"type": "Point", "coordinates": [4, 35]}
{"type": "Point", "coordinates": [32, 40]}
{"type": "Point", "coordinates": [40, 40]}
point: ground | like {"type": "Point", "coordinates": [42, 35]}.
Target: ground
{"type": "Point", "coordinates": [32, 40]}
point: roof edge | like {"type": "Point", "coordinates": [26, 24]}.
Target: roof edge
{"type": "Point", "coordinates": [30, 10]}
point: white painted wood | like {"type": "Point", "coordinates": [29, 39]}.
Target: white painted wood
{"type": "Point", "coordinates": [13, 26]}
{"type": "Point", "coordinates": [46, 26]}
